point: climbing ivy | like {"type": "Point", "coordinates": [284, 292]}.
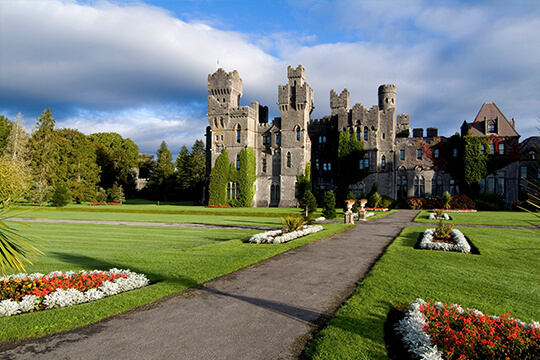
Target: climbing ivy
{"type": "Point", "coordinates": [245, 177]}
{"type": "Point", "coordinates": [303, 182]}
{"type": "Point", "coordinates": [474, 162]}
{"type": "Point", "coordinates": [219, 177]}
{"type": "Point", "coordinates": [350, 152]}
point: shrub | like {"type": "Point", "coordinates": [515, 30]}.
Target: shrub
{"type": "Point", "coordinates": [375, 200]}
{"type": "Point", "coordinates": [329, 205]}
{"type": "Point", "coordinates": [60, 196]}
{"type": "Point", "coordinates": [442, 231]}
{"type": "Point", "coordinates": [462, 202]}
{"type": "Point", "coordinates": [388, 202]}
{"type": "Point", "coordinates": [310, 205]}
{"type": "Point", "coordinates": [116, 194]}
{"type": "Point", "coordinates": [446, 199]}
{"type": "Point", "coordinates": [434, 202]}
{"type": "Point", "coordinates": [490, 202]}
{"type": "Point", "coordinates": [416, 203]}
{"type": "Point", "coordinates": [292, 222]}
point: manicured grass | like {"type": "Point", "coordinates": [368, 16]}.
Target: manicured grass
{"type": "Point", "coordinates": [501, 279]}
{"type": "Point", "coordinates": [172, 258]}
{"type": "Point", "coordinates": [501, 218]}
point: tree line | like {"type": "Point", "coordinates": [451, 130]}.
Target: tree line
{"type": "Point", "coordinates": [59, 165]}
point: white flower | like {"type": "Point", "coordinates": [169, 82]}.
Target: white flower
{"type": "Point", "coordinates": [460, 242]}
{"type": "Point", "coordinates": [278, 237]}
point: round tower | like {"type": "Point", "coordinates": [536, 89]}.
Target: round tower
{"type": "Point", "coordinates": [387, 97]}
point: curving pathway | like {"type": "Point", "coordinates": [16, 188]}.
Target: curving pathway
{"type": "Point", "coordinates": [266, 311]}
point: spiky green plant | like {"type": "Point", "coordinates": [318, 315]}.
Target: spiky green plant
{"type": "Point", "coordinates": [292, 222]}
{"type": "Point", "coordinates": [14, 246]}
{"type": "Point", "coordinates": [447, 198]}
{"type": "Point", "coordinates": [442, 231]}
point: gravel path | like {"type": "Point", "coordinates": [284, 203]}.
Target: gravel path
{"type": "Point", "coordinates": [266, 311]}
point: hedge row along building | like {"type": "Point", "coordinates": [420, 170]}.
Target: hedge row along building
{"type": "Point", "coordinates": [484, 157]}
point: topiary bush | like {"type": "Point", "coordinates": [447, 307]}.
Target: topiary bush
{"type": "Point", "coordinates": [329, 205]}
{"type": "Point", "coordinates": [60, 196]}
{"type": "Point", "coordinates": [462, 202]}
{"type": "Point", "coordinates": [310, 206]}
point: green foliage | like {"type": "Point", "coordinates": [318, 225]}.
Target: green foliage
{"type": "Point", "coordinates": [474, 163]}
{"type": "Point", "coordinates": [14, 246]}
{"type": "Point", "coordinates": [245, 177]}
{"type": "Point", "coordinates": [60, 196]}
{"type": "Point", "coordinates": [375, 200]}
{"type": "Point", "coordinates": [490, 202]}
{"type": "Point", "coordinates": [219, 177]}
{"type": "Point", "coordinates": [387, 202]}
{"type": "Point", "coordinates": [443, 230]}
{"type": "Point", "coordinates": [191, 172]}
{"type": "Point", "coordinates": [13, 179]}
{"type": "Point", "coordinates": [101, 195]}
{"type": "Point", "coordinates": [116, 157]}
{"type": "Point", "coordinates": [44, 151]}
{"type": "Point", "coordinates": [329, 205]}
{"type": "Point", "coordinates": [303, 182]}
{"type": "Point", "coordinates": [310, 206]}
{"type": "Point", "coordinates": [446, 199]}
{"type": "Point", "coordinates": [77, 165]}
{"type": "Point", "coordinates": [116, 194]}
{"type": "Point", "coordinates": [161, 179]}
{"type": "Point", "coordinates": [292, 222]}
{"type": "Point", "coordinates": [350, 153]}
{"type": "Point", "coordinates": [5, 129]}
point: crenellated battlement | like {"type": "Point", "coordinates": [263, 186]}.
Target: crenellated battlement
{"type": "Point", "coordinates": [298, 73]}
{"type": "Point", "coordinates": [222, 83]}
{"type": "Point", "coordinates": [340, 101]}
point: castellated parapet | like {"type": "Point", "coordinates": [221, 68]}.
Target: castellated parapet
{"type": "Point", "coordinates": [387, 97]}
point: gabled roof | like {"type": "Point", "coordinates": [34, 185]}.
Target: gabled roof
{"type": "Point", "coordinates": [530, 144]}
{"type": "Point", "coordinates": [490, 111]}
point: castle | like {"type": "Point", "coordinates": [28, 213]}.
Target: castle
{"type": "Point", "coordinates": [403, 163]}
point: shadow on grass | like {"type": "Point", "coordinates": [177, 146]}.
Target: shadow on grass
{"type": "Point", "coordinates": [98, 264]}
{"type": "Point", "coordinates": [394, 343]}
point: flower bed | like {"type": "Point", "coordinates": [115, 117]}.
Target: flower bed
{"type": "Point", "coordinates": [458, 242]}
{"type": "Point", "coordinates": [23, 293]}
{"type": "Point", "coordinates": [434, 216]}
{"type": "Point", "coordinates": [456, 210]}
{"type": "Point", "coordinates": [103, 203]}
{"type": "Point", "coordinates": [377, 209]}
{"type": "Point", "coordinates": [218, 206]}
{"type": "Point", "coordinates": [436, 331]}
{"type": "Point", "coordinates": [279, 236]}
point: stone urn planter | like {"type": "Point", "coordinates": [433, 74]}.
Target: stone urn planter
{"type": "Point", "coordinates": [349, 216]}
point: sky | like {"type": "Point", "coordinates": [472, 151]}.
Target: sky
{"type": "Point", "coordinates": [140, 68]}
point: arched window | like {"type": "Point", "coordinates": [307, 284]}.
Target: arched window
{"type": "Point", "coordinates": [365, 133]}
{"type": "Point", "coordinates": [419, 186]}
{"type": "Point", "coordinates": [324, 138]}
{"type": "Point", "coordinates": [401, 187]}
{"type": "Point", "coordinates": [383, 162]}
{"type": "Point", "coordinates": [366, 162]}
{"type": "Point", "coordinates": [297, 133]}
{"type": "Point", "coordinates": [264, 164]}
{"type": "Point", "coordinates": [351, 131]}
{"type": "Point", "coordinates": [437, 187]}
{"type": "Point", "coordinates": [288, 159]}
{"type": "Point", "coordinates": [238, 133]}
{"type": "Point", "coordinates": [278, 140]}
{"type": "Point", "coordinates": [238, 162]}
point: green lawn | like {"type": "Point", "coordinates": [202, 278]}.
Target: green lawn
{"type": "Point", "coordinates": [172, 258]}
{"type": "Point", "coordinates": [502, 218]}
{"type": "Point", "coordinates": [500, 279]}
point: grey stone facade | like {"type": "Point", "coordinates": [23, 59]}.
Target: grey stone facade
{"type": "Point", "coordinates": [403, 163]}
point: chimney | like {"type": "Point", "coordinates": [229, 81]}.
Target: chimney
{"type": "Point", "coordinates": [418, 132]}
{"type": "Point", "coordinates": [432, 132]}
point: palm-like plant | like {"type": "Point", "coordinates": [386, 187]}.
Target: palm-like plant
{"type": "Point", "coordinates": [14, 246]}
{"type": "Point", "coordinates": [292, 223]}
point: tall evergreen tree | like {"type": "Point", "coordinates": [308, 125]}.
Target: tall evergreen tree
{"type": "Point", "coordinates": [162, 178]}
{"type": "Point", "coordinates": [5, 129]}
{"type": "Point", "coordinates": [78, 167]}
{"type": "Point", "coordinates": [183, 176]}
{"type": "Point", "coordinates": [44, 155]}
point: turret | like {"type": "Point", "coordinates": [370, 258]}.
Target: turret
{"type": "Point", "coordinates": [387, 97]}
{"type": "Point", "coordinates": [225, 88]}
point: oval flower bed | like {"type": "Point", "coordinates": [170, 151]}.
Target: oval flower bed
{"type": "Point", "coordinates": [457, 243]}
{"type": "Point", "coordinates": [24, 293]}
{"type": "Point", "coordinates": [279, 236]}
{"type": "Point", "coordinates": [436, 331]}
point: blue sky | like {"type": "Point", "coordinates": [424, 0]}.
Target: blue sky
{"type": "Point", "coordinates": [140, 68]}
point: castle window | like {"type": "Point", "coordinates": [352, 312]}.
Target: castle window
{"type": "Point", "coordinates": [482, 186]}
{"type": "Point", "coordinates": [221, 122]}
{"type": "Point", "coordinates": [491, 185]}
{"type": "Point", "coordinates": [454, 152]}
{"type": "Point", "coordinates": [501, 148]}
{"type": "Point", "coordinates": [500, 186]}
{"type": "Point", "coordinates": [492, 148]}
{"type": "Point", "coordinates": [288, 159]}
{"type": "Point", "coordinates": [238, 133]}
{"type": "Point", "coordinates": [278, 141]}
{"type": "Point", "coordinates": [221, 137]}
{"type": "Point", "coordinates": [266, 139]}
{"type": "Point", "coordinates": [232, 190]}
{"type": "Point", "coordinates": [298, 133]}
{"type": "Point", "coordinates": [317, 164]}
{"type": "Point", "coordinates": [437, 187]}
{"type": "Point", "coordinates": [217, 137]}
{"type": "Point", "coordinates": [482, 149]}
{"type": "Point", "coordinates": [361, 164]}
{"type": "Point", "coordinates": [383, 162]}
{"type": "Point", "coordinates": [402, 154]}
{"type": "Point", "coordinates": [238, 162]}
{"type": "Point", "coordinates": [436, 153]}
{"type": "Point", "coordinates": [324, 139]}
{"type": "Point", "coordinates": [264, 165]}
{"type": "Point", "coordinates": [523, 172]}
{"type": "Point", "coordinates": [401, 187]}
{"type": "Point", "coordinates": [419, 154]}
{"type": "Point", "coordinates": [453, 188]}
{"type": "Point", "coordinates": [215, 123]}
{"type": "Point", "coordinates": [365, 133]}
{"type": "Point", "coordinates": [491, 128]}
{"type": "Point", "coordinates": [419, 186]}
{"type": "Point", "coordinates": [357, 136]}
{"type": "Point", "coordinates": [320, 139]}
{"type": "Point", "coordinates": [329, 166]}
{"type": "Point", "coordinates": [366, 162]}
{"type": "Point", "coordinates": [383, 136]}
{"type": "Point", "coordinates": [274, 193]}
{"type": "Point", "coordinates": [325, 166]}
